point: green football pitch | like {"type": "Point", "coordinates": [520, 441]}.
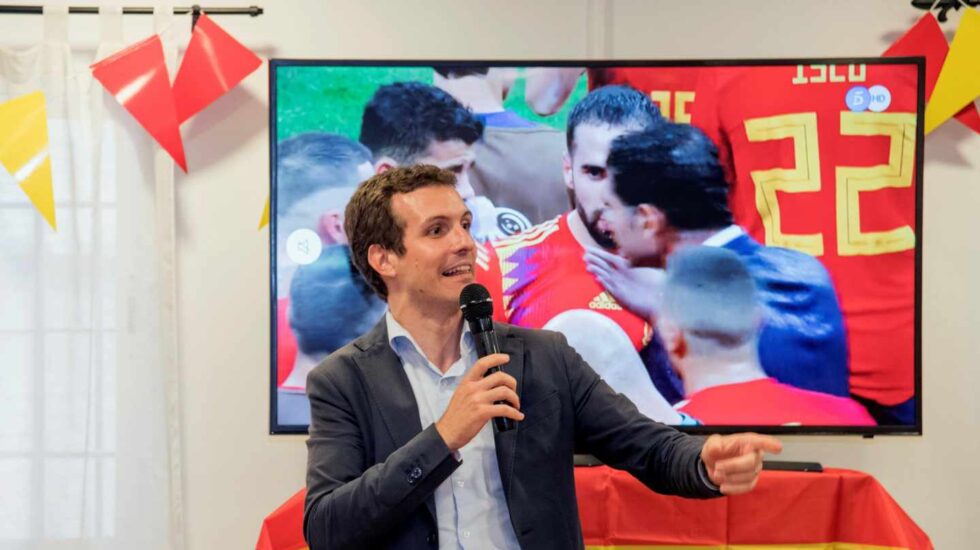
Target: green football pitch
{"type": "Point", "coordinates": [331, 99]}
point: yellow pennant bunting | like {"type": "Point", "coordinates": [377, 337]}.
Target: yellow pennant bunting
{"type": "Point", "coordinates": [264, 220]}
{"type": "Point", "coordinates": [959, 80]}
{"type": "Point", "coordinates": [24, 150]}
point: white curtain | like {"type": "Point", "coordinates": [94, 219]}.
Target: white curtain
{"type": "Point", "coordinates": [89, 415]}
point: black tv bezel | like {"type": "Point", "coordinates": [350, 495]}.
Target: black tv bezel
{"type": "Point", "coordinates": [867, 431]}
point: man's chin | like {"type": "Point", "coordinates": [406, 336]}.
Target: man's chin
{"type": "Point", "coordinates": [602, 238]}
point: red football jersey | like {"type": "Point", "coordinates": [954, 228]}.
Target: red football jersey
{"type": "Point", "coordinates": [535, 275]}
{"type": "Point", "coordinates": [766, 402]}
{"type": "Point", "coordinates": [811, 174]}
{"type": "Point", "coordinates": [673, 89]}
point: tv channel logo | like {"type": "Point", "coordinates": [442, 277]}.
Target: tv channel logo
{"type": "Point", "coordinates": [881, 98]}
{"type": "Point", "coordinates": [858, 99]}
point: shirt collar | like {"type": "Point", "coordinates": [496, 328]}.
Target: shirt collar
{"type": "Point", "coordinates": [400, 339]}
{"type": "Point", "coordinates": [724, 236]}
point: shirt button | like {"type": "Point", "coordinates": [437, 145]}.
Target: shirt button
{"type": "Point", "coordinates": [460, 483]}
{"type": "Point", "coordinates": [466, 534]}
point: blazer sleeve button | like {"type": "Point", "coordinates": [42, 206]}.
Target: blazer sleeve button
{"type": "Point", "coordinates": [414, 475]}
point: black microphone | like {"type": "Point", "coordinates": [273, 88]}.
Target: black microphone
{"type": "Point", "coordinates": [477, 307]}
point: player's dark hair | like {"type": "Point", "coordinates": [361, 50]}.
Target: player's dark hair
{"type": "Point", "coordinates": [330, 304]}
{"type": "Point", "coordinates": [613, 106]}
{"type": "Point", "coordinates": [674, 168]}
{"type": "Point", "coordinates": [402, 119]}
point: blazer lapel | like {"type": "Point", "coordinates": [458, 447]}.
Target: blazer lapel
{"type": "Point", "coordinates": [389, 388]}
{"type": "Point", "coordinates": [506, 442]}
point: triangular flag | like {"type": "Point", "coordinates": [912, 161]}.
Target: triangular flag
{"type": "Point", "coordinates": [213, 64]}
{"type": "Point", "coordinates": [264, 220]}
{"type": "Point", "coordinates": [37, 186]}
{"type": "Point", "coordinates": [959, 81]}
{"type": "Point", "coordinates": [283, 528]}
{"type": "Point", "coordinates": [137, 77]}
{"type": "Point", "coordinates": [926, 39]}
{"type": "Point", "coordinates": [24, 150]}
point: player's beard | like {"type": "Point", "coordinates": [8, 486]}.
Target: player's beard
{"type": "Point", "coordinates": [602, 238]}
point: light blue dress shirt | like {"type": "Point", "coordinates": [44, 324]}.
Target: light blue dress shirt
{"type": "Point", "coordinates": [471, 510]}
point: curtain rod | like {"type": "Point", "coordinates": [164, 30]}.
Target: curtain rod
{"type": "Point", "coordinates": [253, 11]}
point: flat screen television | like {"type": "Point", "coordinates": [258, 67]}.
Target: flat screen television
{"type": "Point", "coordinates": [734, 245]}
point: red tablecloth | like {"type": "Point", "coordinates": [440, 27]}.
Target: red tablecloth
{"type": "Point", "coordinates": [786, 509]}
{"type": "Point", "coordinates": [833, 510]}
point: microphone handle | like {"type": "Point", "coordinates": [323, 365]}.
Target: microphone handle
{"type": "Point", "coordinates": [486, 344]}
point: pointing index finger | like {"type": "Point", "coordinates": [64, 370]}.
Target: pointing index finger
{"type": "Point", "coordinates": [765, 443]}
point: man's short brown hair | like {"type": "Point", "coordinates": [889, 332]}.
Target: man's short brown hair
{"type": "Point", "coordinates": [369, 219]}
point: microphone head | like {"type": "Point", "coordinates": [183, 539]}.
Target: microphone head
{"type": "Point", "coordinates": [475, 301]}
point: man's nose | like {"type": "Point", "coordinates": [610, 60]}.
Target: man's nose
{"type": "Point", "coordinates": [463, 240]}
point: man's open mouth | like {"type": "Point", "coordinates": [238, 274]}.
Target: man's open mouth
{"type": "Point", "coordinates": [458, 270]}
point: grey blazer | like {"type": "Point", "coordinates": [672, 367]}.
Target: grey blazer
{"type": "Point", "coordinates": [372, 470]}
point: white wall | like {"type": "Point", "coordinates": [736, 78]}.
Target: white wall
{"type": "Point", "coordinates": [235, 473]}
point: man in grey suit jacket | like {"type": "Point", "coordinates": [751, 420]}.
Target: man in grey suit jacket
{"type": "Point", "coordinates": [401, 454]}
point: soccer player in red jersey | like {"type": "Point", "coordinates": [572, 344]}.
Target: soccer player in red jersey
{"type": "Point", "coordinates": [821, 159]}
{"type": "Point", "coordinates": [540, 273]}
{"type": "Point", "coordinates": [710, 321]}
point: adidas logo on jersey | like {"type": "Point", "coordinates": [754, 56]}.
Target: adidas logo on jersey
{"type": "Point", "coordinates": [605, 301]}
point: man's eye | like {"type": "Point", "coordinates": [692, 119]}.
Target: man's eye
{"type": "Point", "coordinates": [467, 224]}
{"type": "Point", "coordinates": [595, 172]}
{"type": "Point", "coordinates": [435, 230]}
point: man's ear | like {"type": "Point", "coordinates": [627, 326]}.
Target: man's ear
{"type": "Point", "coordinates": [566, 167]}
{"type": "Point", "coordinates": [331, 228]}
{"type": "Point", "coordinates": [381, 260]}
{"type": "Point", "coordinates": [383, 164]}
{"type": "Point", "coordinates": [652, 220]}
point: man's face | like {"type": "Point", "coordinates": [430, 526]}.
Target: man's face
{"type": "Point", "coordinates": [457, 157]}
{"type": "Point", "coordinates": [439, 252]}
{"type": "Point", "coordinates": [587, 177]}
{"type": "Point", "coordinates": [633, 229]}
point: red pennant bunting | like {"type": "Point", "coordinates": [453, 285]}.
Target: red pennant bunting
{"type": "Point", "coordinates": [137, 77]}
{"type": "Point", "coordinates": [214, 63]}
{"type": "Point", "coordinates": [926, 38]}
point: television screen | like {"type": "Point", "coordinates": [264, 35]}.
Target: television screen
{"type": "Point", "coordinates": [731, 244]}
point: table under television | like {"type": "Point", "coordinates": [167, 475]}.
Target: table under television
{"type": "Point", "coordinates": [831, 510]}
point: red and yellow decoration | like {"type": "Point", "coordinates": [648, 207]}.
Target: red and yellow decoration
{"type": "Point", "coordinates": [926, 39]}
{"type": "Point", "coordinates": [959, 80]}
{"type": "Point", "coordinates": [137, 77]}
{"type": "Point", "coordinates": [24, 151]}
{"type": "Point", "coordinates": [214, 63]}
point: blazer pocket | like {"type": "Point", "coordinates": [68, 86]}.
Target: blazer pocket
{"type": "Point", "coordinates": [540, 410]}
